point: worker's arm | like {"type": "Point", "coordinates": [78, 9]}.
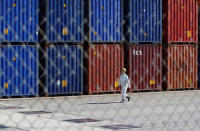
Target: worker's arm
{"type": "Point", "coordinates": [120, 81]}
{"type": "Point", "coordinates": [129, 85]}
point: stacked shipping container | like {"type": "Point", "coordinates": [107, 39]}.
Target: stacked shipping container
{"type": "Point", "coordinates": [145, 21]}
{"type": "Point", "coordinates": [180, 21]}
{"type": "Point", "coordinates": [105, 20]}
{"type": "Point", "coordinates": [145, 58]}
{"type": "Point", "coordinates": [19, 21]}
{"type": "Point", "coordinates": [19, 70]}
{"type": "Point", "coordinates": [104, 56]}
{"type": "Point", "coordinates": [64, 20]}
{"type": "Point", "coordinates": [104, 63]}
{"type": "Point", "coordinates": [19, 63]}
{"type": "Point", "coordinates": [64, 59]}
{"type": "Point", "coordinates": [145, 67]}
{"type": "Point", "coordinates": [180, 27]}
{"type": "Point", "coordinates": [64, 68]}
{"type": "Point", "coordinates": [181, 66]}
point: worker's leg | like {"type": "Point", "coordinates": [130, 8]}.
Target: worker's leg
{"type": "Point", "coordinates": [124, 95]}
{"type": "Point", "coordinates": [127, 96]}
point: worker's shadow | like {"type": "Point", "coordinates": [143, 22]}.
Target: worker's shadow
{"type": "Point", "coordinates": [102, 103]}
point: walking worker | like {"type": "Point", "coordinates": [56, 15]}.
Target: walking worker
{"type": "Point", "coordinates": [125, 83]}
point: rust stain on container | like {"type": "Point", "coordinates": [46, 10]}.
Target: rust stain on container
{"type": "Point", "coordinates": [103, 64]}
{"type": "Point", "coordinates": [181, 67]}
{"type": "Point", "coordinates": [181, 20]}
{"type": "Point", "coordinates": [145, 67]}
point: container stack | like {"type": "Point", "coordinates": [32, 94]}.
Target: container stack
{"type": "Point", "coordinates": [144, 48]}
{"type": "Point", "coordinates": [181, 39]}
{"type": "Point", "coordinates": [19, 54]}
{"type": "Point", "coordinates": [104, 52]}
{"type": "Point", "coordinates": [64, 50]}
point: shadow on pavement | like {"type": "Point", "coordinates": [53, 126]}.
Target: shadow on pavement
{"type": "Point", "coordinates": [96, 103]}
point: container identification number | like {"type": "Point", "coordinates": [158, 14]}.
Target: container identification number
{"type": "Point", "coordinates": [136, 52]}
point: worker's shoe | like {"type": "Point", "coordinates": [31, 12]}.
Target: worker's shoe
{"type": "Point", "coordinates": [129, 98]}
{"type": "Point", "coordinates": [122, 101]}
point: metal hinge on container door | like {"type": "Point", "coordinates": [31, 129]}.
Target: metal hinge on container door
{"type": "Point", "coordinates": [64, 83]}
{"type": "Point", "coordinates": [6, 85]}
{"type": "Point", "coordinates": [6, 31]}
{"type": "Point", "coordinates": [65, 31]}
{"type": "Point", "coordinates": [189, 33]}
{"type": "Point", "coordinates": [152, 82]}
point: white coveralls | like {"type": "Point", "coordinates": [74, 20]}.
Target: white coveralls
{"type": "Point", "coordinates": [125, 83]}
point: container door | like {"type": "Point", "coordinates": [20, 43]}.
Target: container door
{"type": "Point", "coordinates": [105, 20]}
{"type": "Point", "coordinates": [58, 70]}
{"type": "Point", "coordinates": [66, 69]}
{"type": "Point", "coordinates": [5, 89]}
{"type": "Point", "coordinates": [70, 69]}
{"type": "Point", "coordinates": [54, 81]}
{"type": "Point", "coordinates": [19, 20]}
{"type": "Point", "coordinates": [65, 20]}
{"type": "Point", "coordinates": [29, 69]}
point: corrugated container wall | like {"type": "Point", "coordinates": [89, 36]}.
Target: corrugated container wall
{"type": "Point", "coordinates": [145, 21]}
{"type": "Point", "coordinates": [180, 21]}
{"type": "Point", "coordinates": [104, 64]}
{"type": "Point", "coordinates": [19, 71]}
{"type": "Point", "coordinates": [19, 20]}
{"type": "Point", "coordinates": [145, 67]}
{"type": "Point", "coordinates": [64, 20]}
{"type": "Point", "coordinates": [181, 67]}
{"type": "Point", "coordinates": [198, 66]}
{"type": "Point", "coordinates": [106, 20]}
{"type": "Point", "coordinates": [64, 68]}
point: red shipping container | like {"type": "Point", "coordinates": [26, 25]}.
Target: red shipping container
{"type": "Point", "coordinates": [180, 67]}
{"type": "Point", "coordinates": [145, 67]}
{"type": "Point", "coordinates": [180, 21]}
{"type": "Point", "coordinates": [103, 67]}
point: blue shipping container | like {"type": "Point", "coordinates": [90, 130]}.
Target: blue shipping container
{"type": "Point", "coordinates": [19, 20]}
{"type": "Point", "coordinates": [145, 21]}
{"type": "Point", "coordinates": [64, 69]}
{"type": "Point", "coordinates": [19, 71]}
{"type": "Point", "coordinates": [64, 20]}
{"type": "Point", "coordinates": [106, 20]}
